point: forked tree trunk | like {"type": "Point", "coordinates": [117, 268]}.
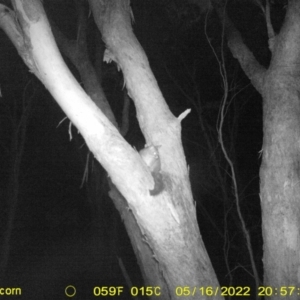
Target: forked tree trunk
{"type": "Point", "coordinates": [163, 228]}
{"type": "Point", "coordinates": [280, 170]}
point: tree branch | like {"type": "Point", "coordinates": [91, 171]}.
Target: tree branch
{"type": "Point", "coordinates": [254, 71]}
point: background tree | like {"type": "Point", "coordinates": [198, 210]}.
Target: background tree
{"type": "Point", "coordinates": [279, 176]}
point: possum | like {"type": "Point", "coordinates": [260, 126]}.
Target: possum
{"type": "Point", "coordinates": [151, 158]}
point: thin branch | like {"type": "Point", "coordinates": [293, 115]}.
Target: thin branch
{"type": "Point", "coordinates": [271, 33]}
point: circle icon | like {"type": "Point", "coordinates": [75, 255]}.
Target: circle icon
{"type": "Point", "coordinates": [70, 291]}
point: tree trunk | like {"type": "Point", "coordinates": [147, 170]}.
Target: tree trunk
{"type": "Point", "coordinates": [163, 227]}
{"type": "Point", "coordinates": [280, 175]}
{"type": "Point", "coordinates": [280, 180]}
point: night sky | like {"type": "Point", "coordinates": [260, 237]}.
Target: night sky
{"type": "Point", "coordinates": [61, 235]}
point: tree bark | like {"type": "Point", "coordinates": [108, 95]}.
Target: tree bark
{"type": "Point", "coordinates": [280, 173]}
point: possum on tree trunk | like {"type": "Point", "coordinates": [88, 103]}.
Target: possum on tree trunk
{"type": "Point", "coordinates": [151, 158]}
